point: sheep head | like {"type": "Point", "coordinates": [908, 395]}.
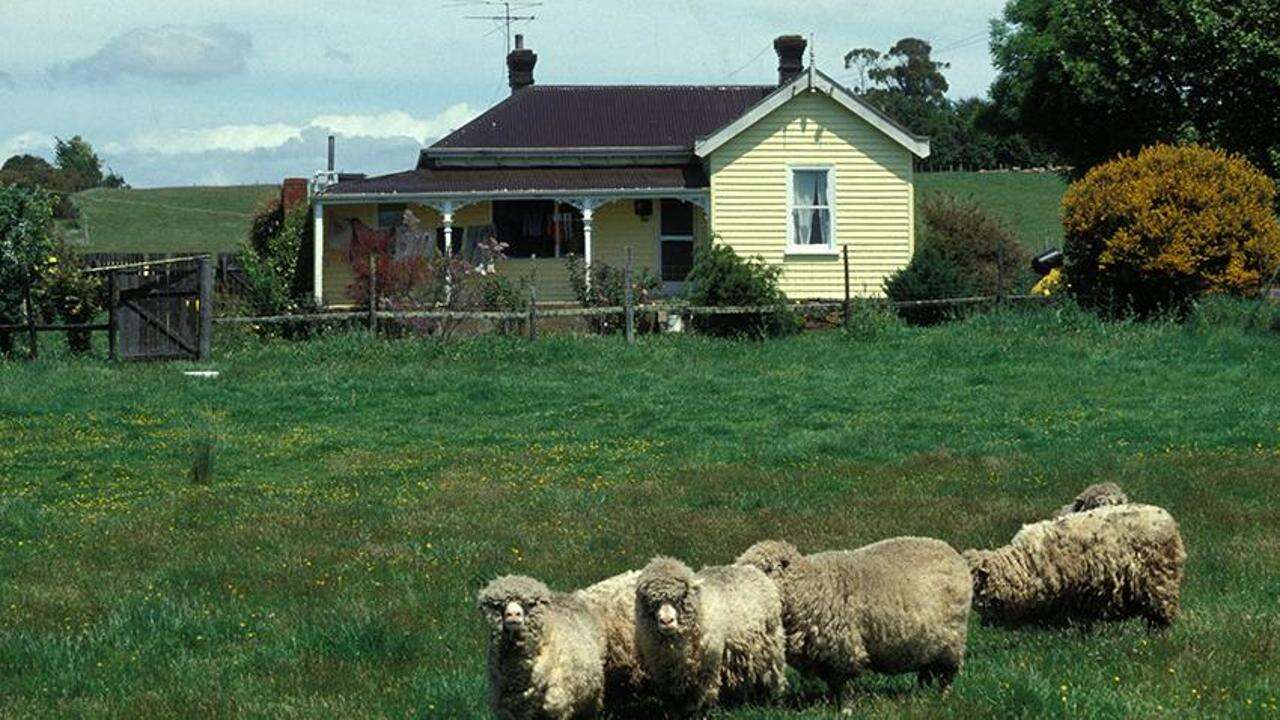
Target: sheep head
{"type": "Point", "coordinates": [773, 557]}
{"type": "Point", "coordinates": [667, 598]}
{"type": "Point", "coordinates": [513, 605]}
{"type": "Point", "coordinates": [1093, 497]}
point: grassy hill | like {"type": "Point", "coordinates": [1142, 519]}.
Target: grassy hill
{"type": "Point", "coordinates": [1032, 203]}
{"type": "Point", "coordinates": [211, 219]}
{"type": "Point", "coordinates": [168, 220]}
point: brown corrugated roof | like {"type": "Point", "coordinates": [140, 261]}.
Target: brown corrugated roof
{"type": "Point", "coordinates": [615, 116]}
{"type": "Point", "coordinates": [508, 179]}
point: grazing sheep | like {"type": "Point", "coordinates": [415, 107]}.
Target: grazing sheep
{"type": "Point", "coordinates": [896, 606]}
{"type": "Point", "coordinates": [1111, 563]}
{"type": "Point", "coordinates": [1094, 496]}
{"type": "Point", "coordinates": [545, 652]}
{"type": "Point", "coordinates": [614, 603]}
{"type": "Point", "coordinates": [709, 638]}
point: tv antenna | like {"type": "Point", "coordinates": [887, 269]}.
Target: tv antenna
{"type": "Point", "coordinates": [506, 14]}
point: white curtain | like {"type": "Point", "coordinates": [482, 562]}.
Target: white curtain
{"type": "Point", "coordinates": [812, 213]}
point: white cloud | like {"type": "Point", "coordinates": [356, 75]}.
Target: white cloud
{"type": "Point", "coordinates": [253, 138]}
{"type": "Point", "coordinates": [396, 124]}
{"type": "Point", "coordinates": [174, 53]}
{"type": "Point", "coordinates": [27, 143]}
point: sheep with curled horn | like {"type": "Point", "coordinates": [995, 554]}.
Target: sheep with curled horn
{"type": "Point", "coordinates": [896, 606]}
{"type": "Point", "coordinates": [546, 652]}
{"type": "Point", "coordinates": [709, 638]}
{"type": "Point", "coordinates": [1110, 563]}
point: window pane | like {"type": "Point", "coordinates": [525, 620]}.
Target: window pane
{"type": "Point", "coordinates": [677, 260]}
{"type": "Point", "coordinates": [677, 218]}
{"type": "Point", "coordinates": [821, 234]}
{"type": "Point", "coordinates": [809, 188]}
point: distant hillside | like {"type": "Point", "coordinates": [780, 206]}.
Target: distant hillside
{"type": "Point", "coordinates": [1030, 202]}
{"type": "Point", "coordinates": [168, 220]}
{"type": "Point", "coordinates": [212, 219]}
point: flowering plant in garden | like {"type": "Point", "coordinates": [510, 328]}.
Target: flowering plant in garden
{"type": "Point", "coordinates": [428, 279]}
{"type": "Point", "coordinates": [26, 217]}
{"type": "Point", "coordinates": [1167, 226]}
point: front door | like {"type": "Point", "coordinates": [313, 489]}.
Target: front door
{"type": "Point", "coordinates": [676, 245]}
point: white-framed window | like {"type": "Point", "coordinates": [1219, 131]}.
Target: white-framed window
{"type": "Point", "coordinates": [812, 221]}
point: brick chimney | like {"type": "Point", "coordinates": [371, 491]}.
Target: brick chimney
{"type": "Point", "coordinates": [520, 65]}
{"type": "Point", "coordinates": [790, 57]}
{"type": "Point", "coordinates": [293, 192]}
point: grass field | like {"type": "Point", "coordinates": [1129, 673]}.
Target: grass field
{"type": "Point", "coordinates": [205, 219]}
{"type": "Point", "coordinates": [168, 220]}
{"type": "Point", "coordinates": [364, 490]}
{"type": "Point", "coordinates": [1031, 203]}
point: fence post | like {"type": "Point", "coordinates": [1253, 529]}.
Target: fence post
{"type": "Point", "coordinates": [113, 300]}
{"type": "Point", "coordinates": [205, 268]}
{"type": "Point", "coordinates": [631, 302]}
{"type": "Point", "coordinates": [31, 324]}
{"type": "Point", "coordinates": [847, 296]}
{"type": "Point", "coordinates": [373, 293]}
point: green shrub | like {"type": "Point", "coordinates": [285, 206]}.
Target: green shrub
{"type": "Point", "coordinates": [872, 319]}
{"type": "Point", "coordinates": [722, 278]}
{"type": "Point", "coordinates": [1155, 232]}
{"type": "Point", "coordinates": [931, 275]}
{"type": "Point", "coordinates": [70, 294]}
{"type": "Point", "coordinates": [608, 289]}
{"type": "Point", "coordinates": [26, 244]}
{"type": "Point", "coordinates": [963, 251]}
{"type": "Point", "coordinates": [270, 258]}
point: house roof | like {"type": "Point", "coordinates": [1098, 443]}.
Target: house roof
{"type": "Point", "coordinates": [527, 180]}
{"type": "Point", "coordinates": [597, 116]}
{"type": "Point", "coordinates": [814, 80]}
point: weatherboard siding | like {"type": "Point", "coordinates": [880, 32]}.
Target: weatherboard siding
{"type": "Point", "coordinates": [874, 196]}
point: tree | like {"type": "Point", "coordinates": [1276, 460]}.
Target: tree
{"type": "Point", "coordinates": [910, 70]}
{"type": "Point", "coordinates": [76, 158]}
{"type": "Point", "coordinates": [26, 216]}
{"type": "Point", "coordinates": [862, 61]}
{"type": "Point", "coordinates": [1095, 78]}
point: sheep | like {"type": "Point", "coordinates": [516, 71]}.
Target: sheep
{"type": "Point", "coordinates": [613, 601]}
{"type": "Point", "coordinates": [546, 652]}
{"type": "Point", "coordinates": [709, 638]}
{"type": "Point", "coordinates": [899, 605]}
{"type": "Point", "coordinates": [1110, 563]}
{"type": "Point", "coordinates": [1094, 496]}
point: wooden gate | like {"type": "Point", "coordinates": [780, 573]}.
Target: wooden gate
{"type": "Point", "coordinates": [162, 311]}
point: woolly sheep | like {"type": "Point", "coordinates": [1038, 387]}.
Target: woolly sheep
{"type": "Point", "coordinates": [1094, 496]}
{"type": "Point", "coordinates": [1111, 563]}
{"type": "Point", "coordinates": [709, 638]}
{"type": "Point", "coordinates": [614, 603]}
{"type": "Point", "coordinates": [899, 605]}
{"type": "Point", "coordinates": [545, 652]}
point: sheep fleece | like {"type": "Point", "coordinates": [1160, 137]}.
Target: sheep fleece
{"type": "Point", "coordinates": [614, 601]}
{"type": "Point", "coordinates": [895, 606]}
{"type": "Point", "coordinates": [1110, 563]}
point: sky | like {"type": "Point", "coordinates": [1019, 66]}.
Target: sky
{"type": "Point", "coordinates": [189, 92]}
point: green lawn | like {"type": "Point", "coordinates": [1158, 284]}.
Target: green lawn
{"type": "Point", "coordinates": [364, 490]}
{"type": "Point", "coordinates": [168, 220]}
{"type": "Point", "coordinates": [1030, 202]}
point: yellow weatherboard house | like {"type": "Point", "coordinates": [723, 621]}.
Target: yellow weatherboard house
{"type": "Point", "coordinates": [792, 172]}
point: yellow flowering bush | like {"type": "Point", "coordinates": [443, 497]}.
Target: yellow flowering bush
{"type": "Point", "coordinates": [1172, 224]}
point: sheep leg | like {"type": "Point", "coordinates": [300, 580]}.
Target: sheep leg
{"type": "Point", "coordinates": [943, 673]}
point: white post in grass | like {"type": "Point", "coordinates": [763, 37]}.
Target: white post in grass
{"type": "Point", "coordinates": [588, 222]}
{"type": "Point", "coordinates": [446, 214]}
{"type": "Point", "coordinates": [317, 253]}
